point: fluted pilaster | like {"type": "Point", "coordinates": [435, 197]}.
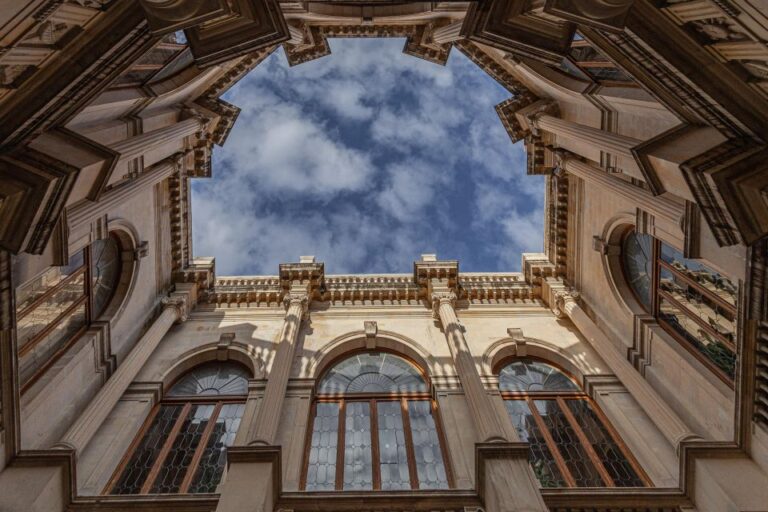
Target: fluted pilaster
{"type": "Point", "coordinates": [175, 309]}
{"type": "Point", "coordinates": [138, 145]}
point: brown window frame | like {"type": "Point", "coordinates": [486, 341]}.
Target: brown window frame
{"type": "Point", "coordinates": [657, 294]}
{"type": "Point", "coordinates": [86, 298]}
{"type": "Point", "coordinates": [373, 399]}
{"type": "Point", "coordinates": [560, 397]}
{"type": "Point", "coordinates": [186, 402]}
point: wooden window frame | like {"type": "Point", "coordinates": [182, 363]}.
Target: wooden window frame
{"type": "Point", "coordinates": [186, 402]}
{"type": "Point", "coordinates": [373, 399]}
{"type": "Point", "coordinates": [657, 264]}
{"type": "Point", "coordinates": [561, 397]}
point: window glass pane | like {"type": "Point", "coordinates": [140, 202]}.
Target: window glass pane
{"type": "Point", "coordinates": [713, 281]}
{"type": "Point", "coordinates": [393, 456]}
{"type": "Point", "coordinates": [35, 320]}
{"type": "Point", "coordinates": [321, 469]}
{"type": "Point", "coordinates": [712, 348]}
{"type": "Point", "coordinates": [212, 379]}
{"type": "Point", "coordinates": [357, 447]}
{"type": "Point", "coordinates": [530, 375]}
{"type": "Point", "coordinates": [214, 458]}
{"type": "Point", "coordinates": [576, 458]}
{"type": "Point", "coordinates": [543, 463]}
{"type": "Point", "coordinates": [426, 446]}
{"type": "Point", "coordinates": [607, 450]}
{"type": "Point", "coordinates": [177, 461]}
{"type": "Point", "coordinates": [637, 260]}
{"type": "Point", "coordinates": [105, 272]}
{"type": "Point", "coordinates": [137, 469]}
{"type": "Point", "coordinates": [32, 290]}
{"type": "Point", "coordinates": [35, 357]}
{"type": "Point", "coordinates": [699, 305]}
{"type": "Point", "coordinates": [373, 372]}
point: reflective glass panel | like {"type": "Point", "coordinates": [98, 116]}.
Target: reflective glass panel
{"type": "Point", "coordinates": [369, 372]}
{"type": "Point", "coordinates": [34, 289]}
{"type": "Point", "coordinates": [712, 281]}
{"type": "Point", "coordinates": [701, 339]}
{"type": "Point", "coordinates": [178, 460]}
{"type": "Point", "coordinates": [426, 445]}
{"type": "Point", "coordinates": [214, 458]}
{"type": "Point", "coordinates": [321, 468]}
{"type": "Point", "coordinates": [541, 459]}
{"type": "Point", "coordinates": [105, 272]}
{"type": "Point", "coordinates": [530, 375]}
{"type": "Point", "coordinates": [212, 379]}
{"type": "Point", "coordinates": [607, 450]}
{"type": "Point", "coordinates": [136, 471]}
{"type": "Point", "coordinates": [393, 456]}
{"type": "Point", "coordinates": [36, 356]}
{"type": "Point", "coordinates": [358, 468]}
{"type": "Point", "coordinates": [637, 259]}
{"type": "Point", "coordinates": [567, 442]}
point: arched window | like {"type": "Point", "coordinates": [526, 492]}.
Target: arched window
{"type": "Point", "coordinates": [572, 443]}
{"type": "Point", "coordinates": [694, 304]}
{"type": "Point", "coordinates": [54, 309]}
{"type": "Point", "coordinates": [374, 427]}
{"type": "Point", "coordinates": [182, 446]}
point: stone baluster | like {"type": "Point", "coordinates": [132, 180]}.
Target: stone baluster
{"type": "Point", "coordinates": [448, 33]}
{"type": "Point", "coordinates": [665, 418]}
{"type": "Point", "coordinates": [175, 309]}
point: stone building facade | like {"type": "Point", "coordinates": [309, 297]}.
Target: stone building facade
{"type": "Point", "coordinates": [625, 368]}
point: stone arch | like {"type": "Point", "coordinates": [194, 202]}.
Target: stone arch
{"type": "Point", "coordinates": [506, 348]}
{"type": "Point", "coordinates": [611, 237]}
{"type": "Point", "coordinates": [238, 352]}
{"type": "Point", "coordinates": [357, 340]}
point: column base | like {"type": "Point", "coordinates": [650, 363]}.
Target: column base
{"type": "Point", "coordinates": [504, 479]}
{"type": "Point", "coordinates": [253, 480]}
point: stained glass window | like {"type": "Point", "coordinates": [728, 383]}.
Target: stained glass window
{"type": "Point", "coordinates": [571, 444]}
{"type": "Point", "coordinates": [183, 447]}
{"type": "Point", "coordinates": [693, 303]}
{"type": "Point", "coordinates": [374, 428]}
{"type": "Point", "coordinates": [56, 307]}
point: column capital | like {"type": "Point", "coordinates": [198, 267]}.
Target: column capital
{"type": "Point", "coordinates": [440, 298]}
{"type": "Point", "coordinates": [179, 303]}
{"type": "Point", "coordinates": [296, 298]}
{"type": "Point", "coordinates": [535, 111]}
{"type": "Point", "coordinates": [563, 298]}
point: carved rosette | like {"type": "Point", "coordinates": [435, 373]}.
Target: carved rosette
{"type": "Point", "coordinates": [180, 304]}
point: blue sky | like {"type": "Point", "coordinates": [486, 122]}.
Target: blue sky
{"type": "Point", "coordinates": [366, 159]}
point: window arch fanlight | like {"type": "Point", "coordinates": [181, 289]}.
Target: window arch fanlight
{"type": "Point", "coordinates": [374, 426]}
{"type": "Point", "coordinates": [182, 446]}
{"type": "Point", "coordinates": [694, 304]}
{"type": "Point", "coordinates": [56, 308]}
{"type": "Point", "coordinates": [571, 442]}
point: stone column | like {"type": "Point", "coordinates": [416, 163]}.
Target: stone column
{"type": "Point", "coordinates": [658, 206]}
{"type": "Point", "coordinates": [138, 145]}
{"type": "Point", "coordinates": [668, 422]}
{"type": "Point", "coordinates": [484, 415]}
{"type": "Point", "coordinates": [507, 482]}
{"type": "Point", "coordinates": [174, 310]}
{"type": "Point", "coordinates": [264, 428]}
{"type": "Point", "coordinates": [448, 33]}
{"type": "Point", "coordinates": [607, 141]}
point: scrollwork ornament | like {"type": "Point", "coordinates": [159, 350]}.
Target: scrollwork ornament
{"type": "Point", "coordinates": [561, 299]}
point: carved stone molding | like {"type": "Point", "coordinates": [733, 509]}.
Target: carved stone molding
{"type": "Point", "coordinates": [495, 70]}
{"type": "Point", "coordinates": [166, 16]}
{"type": "Point", "coordinates": [179, 303]}
{"type": "Point", "coordinates": [314, 46]}
{"type": "Point", "coordinates": [249, 25]}
{"type": "Point", "coordinates": [515, 27]}
{"type": "Point", "coordinates": [437, 299]}
{"type": "Point", "coordinates": [604, 14]}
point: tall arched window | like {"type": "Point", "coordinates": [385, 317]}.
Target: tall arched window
{"type": "Point", "coordinates": [54, 309]}
{"type": "Point", "coordinates": [182, 446]}
{"type": "Point", "coordinates": [694, 304]}
{"type": "Point", "coordinates": [374, 427]}
{"type": "Point", "coordinates": [572, 443]}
